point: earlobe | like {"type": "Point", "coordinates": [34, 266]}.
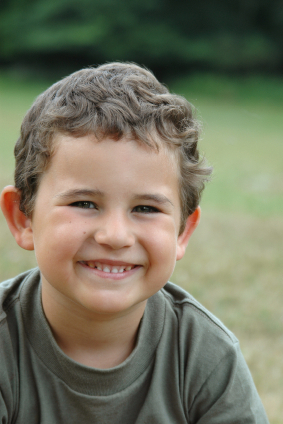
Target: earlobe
{"type": "Point", "coordinates": [19, 224]}
{"type": "Point", "coordinates": [183, 239]}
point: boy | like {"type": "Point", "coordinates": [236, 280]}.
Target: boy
{"type": "Point", "coordinates": [107, 189]}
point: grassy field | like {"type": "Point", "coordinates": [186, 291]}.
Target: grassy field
{"type": "Point", "coordinates": [233, 264]}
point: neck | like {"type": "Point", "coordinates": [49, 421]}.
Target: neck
{"type": "Point", "coordinates": [99, 341]}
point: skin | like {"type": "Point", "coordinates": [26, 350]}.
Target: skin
{"type": "Point", "coordinates": [102, 206]}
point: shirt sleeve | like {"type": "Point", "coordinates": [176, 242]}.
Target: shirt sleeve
{"type": "Point", "coordinates": [8, 378]}
{"type": "Point", "coordinates": [229, 395]}
{"type": "Point", "coordinates": [3, 411]}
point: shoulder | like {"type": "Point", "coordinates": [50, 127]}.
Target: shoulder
{"type": "Point", "coordinates": [11, 334]}
{"type": "Point", "coordinates": [213, 375]}
{"type": "Point", "coordinates": [10, 290]}
{"type": "Point", "coordinates": [202, 340]}
{"type": "Point", "coordinates": [193, 317]}
{"type": "Point", "coordinates": [11, 305]}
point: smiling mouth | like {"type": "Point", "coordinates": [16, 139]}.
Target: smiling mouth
{"type": "Point", "coordinates": [111, 269]}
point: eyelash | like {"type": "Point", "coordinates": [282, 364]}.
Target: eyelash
{"type": "Point", "coordinates": [146, 209]}
{"type": "Point", "coordinates": [86, 204]}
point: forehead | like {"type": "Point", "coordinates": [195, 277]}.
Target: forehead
{"type": "Point", "coordinates": [123, 157]}
{"type": "Point", "coordinates": [159, 150]}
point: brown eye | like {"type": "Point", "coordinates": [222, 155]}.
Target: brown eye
{"type": "Point", "coordinates": [84, 204]}
{"type": "Point", "coordinates": [145, 209]}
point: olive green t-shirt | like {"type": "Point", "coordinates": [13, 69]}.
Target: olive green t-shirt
{"type": "Point", "coordinates": [186, 368]}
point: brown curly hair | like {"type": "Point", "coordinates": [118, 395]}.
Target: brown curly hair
{"type": "Point", "coordinates": [113, 100]}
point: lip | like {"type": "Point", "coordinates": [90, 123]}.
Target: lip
{"type": "Point", "coordinates": [111, 262]}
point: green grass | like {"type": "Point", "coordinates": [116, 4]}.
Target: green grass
{"type": "Point", "coordinates": [15, 98]}
{"type": "Point", "coordinates": [233, 264]}
{"type": "Point", "coordinates": [242, 138]}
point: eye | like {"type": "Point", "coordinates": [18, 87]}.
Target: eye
{"type": "Point", "coordinates": [145, 209]}
{"type": "Point", "coordinates": [84, 204]}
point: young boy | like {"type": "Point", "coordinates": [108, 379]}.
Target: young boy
{"type": "Point", "coordinates": [107, 188]}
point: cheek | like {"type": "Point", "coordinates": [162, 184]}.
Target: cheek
{"type": "Point", "coordinates": [162, 246]}
{"type": "Point", "coordinates": [59, 240]}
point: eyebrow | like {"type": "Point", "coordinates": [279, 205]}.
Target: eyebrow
{"type": "Point", "coordinates": [79, 192]}
{"type": "Point", "coordinates": [158, 198]}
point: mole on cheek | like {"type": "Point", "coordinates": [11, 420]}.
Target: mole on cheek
{"type": "Point", "coordinates": [84, 232]}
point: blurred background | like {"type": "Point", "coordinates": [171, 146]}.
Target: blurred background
{"type": "Point", "coordinates": [227, 59]}
{"type": "Point", "coordinates": [170, 37]}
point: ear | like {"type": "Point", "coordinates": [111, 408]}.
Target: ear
{"type": "Point", "coordinates": [183, 239]}
{"type": "Point", "coordinates": [19, 224]}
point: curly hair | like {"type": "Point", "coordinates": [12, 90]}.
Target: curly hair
{"type": "Point", "coordinates": [113, 100]}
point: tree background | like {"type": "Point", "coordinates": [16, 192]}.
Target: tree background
{"type": "Point", "coordinates": [54, 37]}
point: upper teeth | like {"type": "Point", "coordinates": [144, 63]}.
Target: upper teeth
{"type": "Point", "coordinates": [109, 268]}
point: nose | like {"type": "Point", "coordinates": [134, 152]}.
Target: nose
{"type": "Point", "coordinates": [115, 231]}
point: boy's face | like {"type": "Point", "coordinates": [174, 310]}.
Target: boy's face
{"type": "Point", "coordinates": [106, 222]}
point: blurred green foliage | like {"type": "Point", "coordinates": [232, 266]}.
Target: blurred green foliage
{"type": "Point", "coordinates": [238, 35]}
